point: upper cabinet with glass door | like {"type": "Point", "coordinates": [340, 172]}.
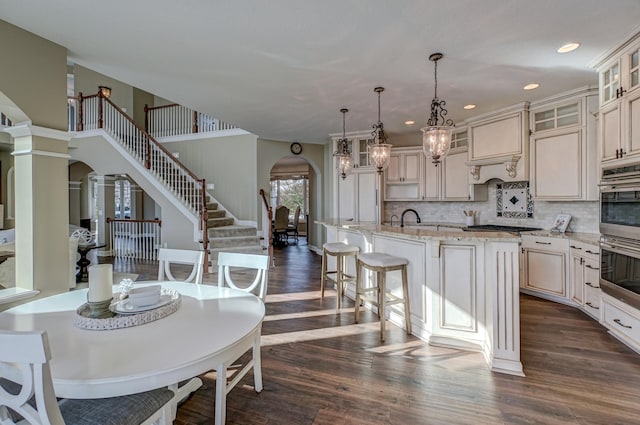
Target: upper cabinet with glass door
{"type": "Point", "coordinates": [358, 144]}
{"type": "Point", "coordinates": [619, 121]}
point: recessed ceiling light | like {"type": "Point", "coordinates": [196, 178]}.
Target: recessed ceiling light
{"type": "Point", "coordinates": [409, 122]}
{"type": "Point", "coordinates": [569, 47]}
{"type": "Point", "coordinates": [469, 106]}
{"type": "Point", "coordinates": [531, 86]}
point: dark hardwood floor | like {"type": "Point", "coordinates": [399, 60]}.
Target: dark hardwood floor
{"type": "Point", "coordinates": [320, 368]}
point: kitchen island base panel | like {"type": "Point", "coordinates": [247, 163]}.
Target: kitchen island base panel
{"type": "Point", "coordinates": [470, 304]}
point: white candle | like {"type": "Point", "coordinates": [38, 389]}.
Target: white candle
{"type": "Point", "coordinates": [100, 282]}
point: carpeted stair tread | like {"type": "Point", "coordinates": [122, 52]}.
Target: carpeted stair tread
{"type": "Point", "coordinates": [233, 241]}
{"type": "Point", "coordinates": [219, 222]}
{"type": "Point", "coordinates": [216, 213]}
{"type": "Point", "coordinates": [231, 231]}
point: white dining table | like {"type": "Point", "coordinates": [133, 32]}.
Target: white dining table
{"type": "Point", "coordinates": [212, 327]}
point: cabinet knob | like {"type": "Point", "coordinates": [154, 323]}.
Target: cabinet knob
{"type": "Point", "coordinates": [593, 306]}
{"type": "Point", "coordinates": [589, 266]}
{"type": "Point", "coordinates": [592, 285]}
{"type": "Point", "coordinates": [543, 243]}
{"type": "Point", "coordinates": [588, 251]}
{"type": "Point", "coordinates": [576, 247]}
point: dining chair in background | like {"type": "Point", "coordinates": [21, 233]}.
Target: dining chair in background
{"type": "Point", "coordinates": [292, 229]}
{"type": "Point", "coordinates": [168, 256]}
{"type": "Point", "coordinates": [280, 224]}
{"type": "Point", "coordinates": [26, 389]}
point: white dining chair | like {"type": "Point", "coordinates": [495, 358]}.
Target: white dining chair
{"type": "Point", "coordinates": [27, 395]}
{"type": "Point", "coordinates": [168, 256]}
{"type": "Point", "coordinates": [236, 271]}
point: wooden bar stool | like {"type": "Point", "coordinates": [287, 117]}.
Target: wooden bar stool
{"type": "Point", "coordinates": [381, 264]}
{"type": "Point", "coordinates": [341, 251]}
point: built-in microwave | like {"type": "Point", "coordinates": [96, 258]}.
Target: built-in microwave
{"type": "Point", "coordinates": [620, 269]}
{"type": "Point", "coordinates": [620, 202]}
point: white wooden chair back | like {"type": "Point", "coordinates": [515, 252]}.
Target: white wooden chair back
{"type": "Point", "coordinates": [259, 263]}
{"type": "Point", "coordinates": [168, 256]}
{"type": "Point", "coordinates": [24, 360]}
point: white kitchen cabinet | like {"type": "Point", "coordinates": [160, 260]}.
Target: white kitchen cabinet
{"type": "Point", "coordinates": [499, 144]}
{"type": "Point", "coordinates": [358, 142]}
{"type": "Point", "coordinates": [563, 147]}
{"type": "Point", "coordinates": [620, 103]}
{"type": "Point", "coordinates": [545, 266]}
{"type": "Point", "coordinates": [585, 278]}
{"type": "Point", "coordinates": [403, 176]}
{"type": "Point", "coordinates": [357, 197]}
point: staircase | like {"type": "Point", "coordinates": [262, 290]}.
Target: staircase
{"type": "Point", "coordinates": [226, 236]}
{"type": "Point", "coordinates": [214, 226]}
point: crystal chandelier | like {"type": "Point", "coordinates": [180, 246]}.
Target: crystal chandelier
{"type": "Point", "coordinates": [344, 160]}
{"type": "Point", "coordinates": [436, 137]}
{"type": "Point", "coordinates": [379, 150]}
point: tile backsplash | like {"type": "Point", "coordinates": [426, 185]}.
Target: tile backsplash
{"type": "Point", "coordinates": [584, 214]}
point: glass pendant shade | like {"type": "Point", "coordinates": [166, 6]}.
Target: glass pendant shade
{"type": "Point", "coordinates": [344, 164]}
{"type": "Point", "coordinates": [379, 155]}
{"type": "Point", "coordinates": [436, 141]}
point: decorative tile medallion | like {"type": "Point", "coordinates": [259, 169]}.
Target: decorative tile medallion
{"type": "Point", "coordinates": [514, 200]}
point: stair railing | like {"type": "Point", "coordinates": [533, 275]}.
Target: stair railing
{"type": "Point", "coordinates": [174, 120]}
{"type": "Point", "coordinates": [139, 239]}
{"type": "Point", "coordinates": [267, 219]}
{"type": "Point", "coordinates": [98, 112]}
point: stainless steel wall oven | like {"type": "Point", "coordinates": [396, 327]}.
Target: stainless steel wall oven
{"type": "Point", "coordinates": [620, 229]}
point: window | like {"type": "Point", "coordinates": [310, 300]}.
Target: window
{"type": "Point", "coordinates": [290, 192]}
{"type": "Point", "coordinates": [122, 191]}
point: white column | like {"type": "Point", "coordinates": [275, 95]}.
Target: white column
{"type": "Point", "coordinates": [105, 207]}
{"type": "Point", "coordinates": [41, 208]}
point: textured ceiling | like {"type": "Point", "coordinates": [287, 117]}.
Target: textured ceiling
{"type": "Point", "coordinates": [282, 69]}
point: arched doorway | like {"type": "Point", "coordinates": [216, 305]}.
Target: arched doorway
{"type": "Point", "coordinates": [290, 186]}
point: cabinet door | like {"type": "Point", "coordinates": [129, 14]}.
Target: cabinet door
{"type": "Point", "coordinates": [632, 123]}
{"type": "Point", "coordinates": [367, 197]}
{"type": "Point", "coordinates": [610, 131]}
{"type": "Point", "coordinates": [545, 271]}
{"type": "Point", "coordinates": [411, 162]}
{"type": "Point", "coordinates": [556, 163]}
{"type": "Point", "coordinates": [577, 279]}
{"type": "Point", "coordinates": [347, 198]}
{"type": "Point", "coordinates": [431, 181]}
{"type": "Point", "coordinates": [393, 171]}
{"type": "Point", "coordinates": [455, 175]}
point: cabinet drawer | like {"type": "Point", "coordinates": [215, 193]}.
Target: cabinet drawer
{"type": "Point", "coordinates": [621, 321]}
{"type": "Point", "coordinates": [585, 250]}
{"type": "Point", "coordinates": [544, 243]}
{"type": "Point", "coordinates": [592, 304]}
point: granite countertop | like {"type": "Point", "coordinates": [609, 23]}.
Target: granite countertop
{"type": "Point", "coordinates": [418, 233]}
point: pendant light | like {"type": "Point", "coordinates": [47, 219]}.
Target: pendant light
{"type": "Point", "coordinates": [436, 136]}
{"type": "Point", "coordinates": [344, 160]}
{"type": "Point", "coordinates": [379, 149]}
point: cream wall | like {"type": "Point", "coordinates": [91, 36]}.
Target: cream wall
{"type": "Point", "coordinates": [140, 98]}
{"type": "Point", "coordinates": [229, 162]}
{"type": "Point", "coordinates": [270, 152]}
{"type": "Point", "coordinates": [87, 81]}
{"type": "Point", "coordinates": [33, 78]}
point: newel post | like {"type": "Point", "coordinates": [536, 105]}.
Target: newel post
{"type": "Point", "coordinates": [80, 124]}
{"type": "Point", "coordinates": [205, 231]}
{"type": "Point", "coordinates": [146, 117]}
{"type": "Point", "coordinates": [100, 100]}
{"type": "Point", "coordinates": [195, 122]}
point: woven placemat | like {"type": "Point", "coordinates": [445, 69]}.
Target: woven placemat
{"type": "Point", "coordinates": [119, 321]}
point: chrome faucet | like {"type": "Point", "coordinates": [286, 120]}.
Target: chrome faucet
{"type": "Point", "coordinates": [406, 211]}
{"type": "Point", "coordinates": [392, 219]}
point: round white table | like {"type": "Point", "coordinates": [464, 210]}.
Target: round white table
{"type": "Point", "coordinates": [212, 328]}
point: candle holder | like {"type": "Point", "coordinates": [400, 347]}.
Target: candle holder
{"type": "Point", "coordinates": [100, 309]}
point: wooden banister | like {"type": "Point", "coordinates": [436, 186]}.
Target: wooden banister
{"type": "Point", "coordinates": [269, 210]}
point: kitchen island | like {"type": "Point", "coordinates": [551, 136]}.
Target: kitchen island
{"type": "Point", "coordinates": [463, 286]}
